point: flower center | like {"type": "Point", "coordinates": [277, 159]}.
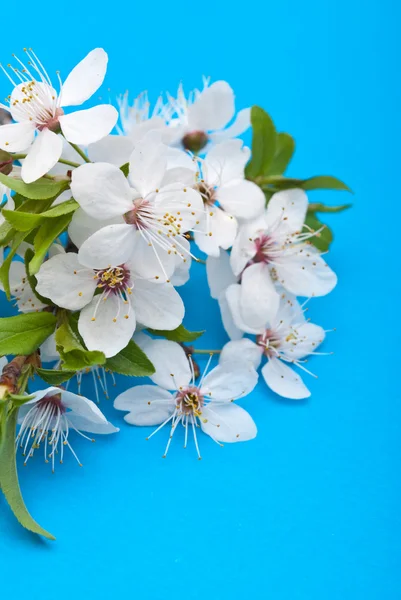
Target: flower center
{"type": "Point", "coordinates": [265, 246]}
{"type": "Point", "coordinates": [113, 279]}
{"type": "Point", "coordinates": [270, 341]}
{"type": "Point", "coordinates": [195, 141]}
{"type": "Point", "coordinates": [53, 403]}
{"type": "Point", "coordinates": [138, 215]}
{"type": "Point", "coordinates": [190, 401]}
{"type": "Point", "coordinates": [207, 192]}
{"type": "Point", "coordinates": [53, 122]}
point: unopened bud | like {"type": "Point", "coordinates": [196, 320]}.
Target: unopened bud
{"type": "Point", "coordinates": [195, 141]}
{"type": "Point", "coordinates": [6, 163]}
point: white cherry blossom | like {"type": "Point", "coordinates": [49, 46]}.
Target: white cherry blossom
{"type": "Point", "coordinates": [207, 404]}
{"type": "Point", "coordinates": [48, 419]}
{"type": "Point", "coordinates": [39, 111]}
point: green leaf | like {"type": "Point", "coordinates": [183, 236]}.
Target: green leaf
{"type": "Point", "coordinates": [131, 361]}
{"type": "Point", "coordinates": [25, 221]}
{"type": "Point", "coordinates": [5, 267]}
{"type": "Point", "coordinates": [42, 189]}
{"type": "Point", "coordinates": [20, 399]}
{"type": "Point", "coordinates": [320, 207]}
{"type": "Point", "coordinates": [54, 376]}
{"type": "Point", "coordinates": [323, 239]}
{"type": "Point", "coordinates": [285, 148]}
{"type": "Point", "coordinates": [125, 169]}
{"type": "Point", "coordinates": [181, 334]}
{"type": "Point", "coordinates": [29, 254]}
{"type": "Point", "coordinates": [73, 354]}
{"type": "Point", "coordinates": [24, 333]}
{"type": "Point", "coordinates": [263, 143]}
{"type": "Point", "coordinates": [319, 182]}
{"type": "Point", "coordinates": [6, 233]}
{"type": "Point", "coordinates": [9, 479]}
{"type": "Point", "coordinates": [44, 238]}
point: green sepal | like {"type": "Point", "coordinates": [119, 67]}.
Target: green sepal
{"type": "Point", "coordinates": [72, 352]}
{"type": "Point", "coordinates": [181, 334]}
{"type": "Point", "coordinates": [263, 143]}
{"type": "Point", "coordinates": [130, 361]}
{"type": "Point", "coordinates": [20, 399]}
{"type": "Point", "coordinates": [54, 376]}
{"type": "Point", "coordinates": [23, 334]}
{"type": "Point", "coordinates": [42, 189]}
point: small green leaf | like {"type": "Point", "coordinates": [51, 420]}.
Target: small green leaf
{"type": "Point", "coordinates": [320, 207]}
{"type": "Point", "coordinates": [24, 333]}
{"type": "Point", "coordinates": [6, 233]}
{"type": "Point", "coordinates": [125, 169]}
{"type": "Point", "coordinates": [54, 376]}
{"type": "Point", "coordinates": [25, 221]}
{"type": "Point", "coordinates": [42, 189]}
{"type": "Point", "coordinates": [319, 182]}
{"type": "Point", "coordinates": [73, 354]}
{"type": "Point", "coordinates": [324, 238]}
{"type": "Point", "coordinates": [9, 479]}
{"type": "Point", "coordinates": [263, 143]}
{"type": "Point", "coordinates": [285, 148]}
{"type": "Point", "coordinates": [20, 399]}
{"type": "Point", "coordinates": [131, 361]}
{"type": "Point", "coordinates": [44, 238]}
{"type": "Point", "coordinates": [29, 254]}
{"type": "Point", "coordinates": [181, 334]}
{"type": "Point", "coordinates": [5, 267]}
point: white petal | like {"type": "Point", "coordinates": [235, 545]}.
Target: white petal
{"type": "Point", "coordinates": [219, 273]}
{"type": "Point", "coordinates": [286, 211]}
{"type": "Point", "coordinates": [113, 149]}
{"type": "Point", "coordinates": [243, 199]}
{"type": "Point", "coordinates": [229, 381]}
{"type": "Point", "coordinates": [48, 350]}
{"type": "Point", "coordinates": [16, 137]}
{"type": "Point", "coordinates": [151, 261]}
{"type": "Point", "coordinates": [66, 282]}
{"type": "Point", "coordinates": [213, 108]}
{"type": "Point", "coordinates": [111, 245]}
{"type": "Point", "coordinates": [220, 229]}
{"type": "Point", "coordinates": [241, 350]}
{"type": "Point", "coordinates": [101, 190]}
{"type": "Point", "coordinates": [21, 289]}
{"type": "Point", "coordinates": [90, 125]}
{"type": "Point", "coordinates": [84, 424]}
{"type": "Point", "coordinates": [84, 414]}
{"type": "Point", "coordinates": [308, 337]}
{"type": "Point", "coordinates": [225, 162]}
{"type": "Point", "coordinates": [182, 202]}
{"type": "Point", "coordinates": [171, 364]}
{"type": "Point", "coordinates": [147, 405]}
{"type": "Point", "coordinates": [306, 273]}
{"type": "Point", "coordinates": [111, 330]}
{"type": "Point", "coordinates": [244, 248]}
{"type": "Point", "coordinates": [42, 156]}
{"type": "Point", "coordinates": [241, 123]}
{"type": "Point", "coordinates": [259, 300]}
{"type": "Point", "coordinates": [233, 298]}
{"type": "Point", "coordinates": [228, 423]}
{"type": "Point", "coordinates": [147, 166]}
{"type": "Point", "coordinates": [233, 332]}
{"type": "Point", "coordinates": [84, 79]}
{"type": "Point", "coordinates": [158, 306]}
{"type": "Point", "coordinates": [283, 380]}
{"type": "Point", "coordinates": [82, 226]}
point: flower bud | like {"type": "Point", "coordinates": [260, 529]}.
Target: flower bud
{"type": "Point", "coordinates": [6, 162]}
{"type": "Point", "coordinates": [195, 141]}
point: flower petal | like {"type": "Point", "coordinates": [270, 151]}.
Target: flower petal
{"type": "Point", "coordinates": [259, 300]}
{"type": "Point", "coordinates": [228, 382]}
{"type": "Point", "coordinates": [306, 273]}
{"type": "Point", "coordinates": [113, 149]}
{"type": "Point", "coordinates": [225, 162]}
{"type": "Point", "coordinates": [219, 274]}
{"type": "Point", "coordinates": [16, 137]}
{"type": "Point", "coordinates": [158, 306]}
{"type": "Point", "coordinates": [84, 424]}
{"type": "Point", "coordinates": [111, 245]}
{"type": "Point", "coordinates": [151, 262]}
{"type": "Point", "coordinates": [84, 79]}
{"type": "Point", "coordinates": [308, 337]}
{"type": "Point", "coordinates": [241, 350]}
{"type": "Point", "coordinates": [147, 166]}
{"type": "Point", "coordinates": [241, 123]}
{"type": "Point", "coordinates": [101, 190]}
{"type": "Point", "coordinates": [147, 405]}
{"type": "Point", "coordinates": [228, 423]}
{"type": "Point", "coordinates": [243, 199]}
{"type": "Point", "coordinates": [42, 156]}
{"type": "Point", "coordinates": [213, 108]}
{"type": "Point", "coordinates": [171, 364]}
{"type": "Point", "coordinates": [82, 226]}
{"type": "Point", "coordinates": [218, 230]}
{"type": "Point", "coordinates": [233, 332]}
{"type": "Point", "coordinates": [63, 279]}
{"type": "Point", "coordinates": [183, 203]}
{"type": "Point", "coordinates": [233, 298]}
{"type": "Point", "coordinates": [283, 380]}
{"type": "Point", "coordinates": [90, 125]}
{"type": "Point", "coordinates": [286, 211]}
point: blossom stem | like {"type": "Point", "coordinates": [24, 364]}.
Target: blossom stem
{"type": "Point", "coordinates": [70, 163]}
{"type": "Point", "coordinates": [194, 351]}
{"type": "Point", "coordinates": [80, 152]}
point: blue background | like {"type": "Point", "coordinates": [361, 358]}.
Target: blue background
{"type": "Point", "coordinates": [311, 509]}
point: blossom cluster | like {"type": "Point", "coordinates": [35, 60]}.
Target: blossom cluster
{"type": "Point", "coordinates": [104, 211]}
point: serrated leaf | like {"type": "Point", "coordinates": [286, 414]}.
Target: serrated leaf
{"type": "Point", "coordinates": [44, 238]}
{"type": "Point", "coordinates": [181, 334]}
{"type": "Point", "coordinates": [263, 143]}
{"type": "Point", "coordinates": [131, 361]}
{"type": "Point", "coordinates": [54, 376]}
{"type": "Point", "coordinates": [23, 334]}
{"type": "Point", "coordinates": [42, 189]}
{"type": "Point", "coordinates": [25, 221]}
{"type": "Point", "coordinates": [285, 148]}
{"type": "Point", "coordinates": [9, 479]}
{"type": "Point", "coordinates": [73, 354]}
{"type": "Point", "coordinates": [324, 238]}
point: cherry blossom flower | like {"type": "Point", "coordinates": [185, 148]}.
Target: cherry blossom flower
{"type": "Point", "coordinates": [207, 404]}
{"type": "Point", "coordinates": [39, 111]}
{"type": "Point", "coordinates": [286, 340]}
{"type": "Point", "coordinates": [204, 117]}
{"type": "Point", "coordinates": [108, 319]}
{"type": "Point", "coordinates": [274, 249]}
{"type": "Point", "coordinates": [156, 212]}
{"type": "Point", "coordinates": [48, 419]}
{"type": "Point", "coordinates": [220, 276]}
